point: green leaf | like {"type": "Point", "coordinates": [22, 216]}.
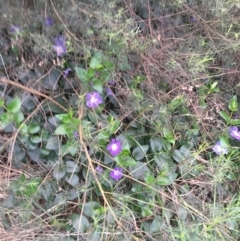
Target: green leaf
{"type": "Point", "coordinates": [64, 129]}
{"type": "Point", "coordinates": [225, 116]}
{"type": "Point", "coordinates": [163, 181]}
{"type": "Point", "coordinates": [18, 117]}
{"type": "Point", "coordinates": [6, 119]}
{"type": "Point", "coordinates": [73, 180]}
{"type": "Point", "coordinates": [14, 106]}
{"type": "Point", "coordinates": [53, 143]}
{"type": "Point", "coordinates": [156, 144]}
{"type": "Point", "coordinates": [169, 135]}
{"type": "Point", "coordinates": [95, 236]}
{"type": "Point", "coordinates": [1, 102]}
{"type": "Point", "coordinates": [127, 162]}
{"type": "Point", "coordinates": [149, 179]}
{"type": "Point", "coordinates": [140, 152]}
{"type": "Point", "coordinates": [96, 61]}
{"type": "Point", "coordinates": [59, 172]}
{"type": "Point", "coordinates": [163, 160]}
{"type": "Point", "coordinates": [90, 207]}
{"type": "Point", "coordinates": [35, 139]}
{"type": "Point", "coordinates": [97, 85]}
{"type": "Point", "coordinates": [157, 224]}
{"type": "Point", "coordinates": [233, 104]}
{"type": "Point", "coordinates": [79, 222]}
{"type": "Point", "coordinates": [176, 102]}
{"type": "Point", "coordinates": [178, 156]}
{"type": "Point", "coordinates": [72, 167]}
{"type": "Point", "coordinates": [139, 170]}
{"type": "Point", "coordinates": [51, 80]}
{"type": "Point", "coordinates": [65, 118]}
{"type": "Point", "coordinates": [182, 213]}
{"type": "Point", "coordinates": [90, 73]}
{"type": "Point", "coordinates": [165, 144]}
{"type": "Point", "coordinates": [82, 74]}
{"type": "Point", "coordinates": [234, 122]}
{"type": "Point", "coordinates": [113, 126]}
{"type": "Point", "coordinates": [33, 128]}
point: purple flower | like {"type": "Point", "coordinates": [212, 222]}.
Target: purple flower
{"type": "Point", "coordinates": [60, 45]}
{"type": "Point", "coordinates": [93, 99]}
{"type": "Point", "coordinates": [48, 21]}
{"type": "Point", "coordinates": [99, 169]}
{"type": "Point", "coordinates": [111, 82]}
{"type": "Point", "coordinates": [14, 29]}
{"type": "Point", "coordinates": [114, 147]}
{"type": "Point", "coordinates": [109, 91]}
{"type": "Point", "coordinates": [66, 72]}
{"type": "Point", "coordinates": [234, 133]}
{"type": "Point", "coordinates": [219, 149]}
{"type": "Point", "coordinates": [116, 173]}
{"type": "Point", "coordinates": [76, 134]}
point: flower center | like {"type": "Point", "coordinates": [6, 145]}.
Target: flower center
{"type": "Point", "coordinates": [114, 147]}
{"type": "Point", "coordinates": [116, 172]}
{"type": "Point", "coordinates": [93, 99]}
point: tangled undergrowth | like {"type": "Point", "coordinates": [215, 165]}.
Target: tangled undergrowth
{"type": "Point", "coordinates": [119, 120]}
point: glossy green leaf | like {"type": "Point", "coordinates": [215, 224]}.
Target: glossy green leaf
{"type": "Point", "coordinates": [149, 179]}
{"type": "Point", "coordinates": [65, 118]}
{"type": "Point", "coordinates": [140, 152]}
{"type": "Point", "coordinates": [33, 128]}
{"type": "Point", "coordinates": [156, 144]}
{"type": "Point", "coordinates": [163, 181]}
{"type": "Point", "coordinates": [14, 105]}
{"type": "Point", "coordinates": [156, 225]}
{"type": "Point", "coordinates": [176, 102]}
{"type": "Point", "coordinates": [35, 139]}
{"type": "Point", "coordinates": [90, 207]}
{"type": "Point", "coordinates": [82, 74]}
{"type": "Point", "coordinates": [72, 166]}
{"type": "Point", "coordinates": [113, 126]}
{"type": "Point", "coordinates": [59, 172]}
{"type": "Point", "coordinates": [51, 80]}
{"type": "Point", "coordinates": [97, 85]}
{"type": "Point", "coordinates": [95, 236]}
{"type": "Point", "coordinates": [64, 129]}
{"type": "Point", "coordinates": [18, 117]}
{"type": "Point", "coordinates": [139, 171]}
{"type": "Point", "coordinates": [178, 156]}
{"type": "Point", "coordinates": [53, 143]}
{"type": "Point", "coordinates": [168, 135]}
{"type": "Point", "coordinates": [1, 102]}
{"type": "Point", "coordinates": [233, 104]}
{"type": "Point", "coordinates": [73, 180]}
{"type": "Point", "coordinates": [224, 115]}
{"type": "Point", "coordinates": [234, 122]}
{"type": "Point", "coordinates": [80, 223]}
{"type": "Point", "coordinates": [96, 62]}
{"type": "Point", "coordinates": [182, 213]}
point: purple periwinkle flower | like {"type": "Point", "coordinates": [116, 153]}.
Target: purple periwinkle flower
{"type": "Point", "coordinates": [111, 82]}
{"type": "Point", "coordinates": [48, 21]}
{"type": "Point", "coordinates": [60, 45]}
{"type": "Point", "coordinates": [76, 134]}
{"type": "Point", "coordinates": [234, 133]}
{"type": "Point", "coordinates": [14, 29]}
{"type": "Point", "coordinates": [116, 173]}
{"type": "Point", "coordinates": [99, 169]}
{"type": "Point", "coordinates": [93, 99]}
{"type": "Point", "coordinates": [114, 147]}
{"type": "Point", "coordinates": [109, 92]}
{"type": "Point", "coordinates": [66, 72]}
{"type": "Point", "coordinates": [219, 149]}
